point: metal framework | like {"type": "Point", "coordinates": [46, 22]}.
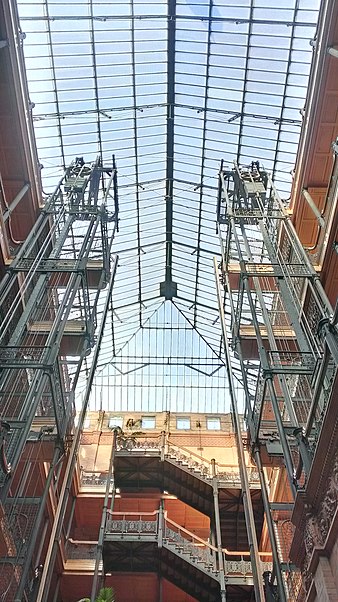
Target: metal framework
{"type": "Point", "coordinates": [174, 86]}
{"type": "Point", "coordinates": [50, 298]}
{"type": "Point", "coordinates": [280, 327]}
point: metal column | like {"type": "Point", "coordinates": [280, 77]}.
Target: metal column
{"type": "Point", "coordinates": [110, 481]}
{"type": "Point", "coordinates": [247, 503]}
{"type": "Point", "coordinates": [218, 531]}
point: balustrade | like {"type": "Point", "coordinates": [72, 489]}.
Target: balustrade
{"type": "Point", "coordinates": [129, 523]}
{"type": "Point", "coordinates": [199, 551]}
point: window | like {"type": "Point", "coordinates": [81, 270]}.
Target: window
{"type": "Point", "coordinates": [115, 422]}
{"type": "Point", "coordinates": [213, 423]}
{"type": "Point", "coordinates": [182, 423]}
{"type": "Point", "coordinates": [148, 422]}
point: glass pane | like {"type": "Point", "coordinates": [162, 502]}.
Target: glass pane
{"type": "Point", "coordinates": [148, 422]}
{"type": "Point", "coordinates": [182, 423]}
{"type": "Point", "coordinates": [213, 423]}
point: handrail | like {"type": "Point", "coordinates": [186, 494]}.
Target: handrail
{"type": "Point", "coordinates": [207, 544]}
{"type": "Point", "coordinates": [81, 542]}
{"type": "Point", "coordinates": [188, 451]}
{"type": "Point", "coordinates": [192, 535]}
{"type": "Point", "coordinates": [232, 467]}
{"type": "Point", "coordinates": [191, 453]}
{"type": "Point", "coordinates": [133, 513]}
{"type": "Point", "coordinates": [151, 437]}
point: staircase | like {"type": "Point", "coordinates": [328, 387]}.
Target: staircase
{"type": "Point", "coordinates": [185, 459]}
{"type": "Point", "coordinates": [149, 541]}
{"type": "Point", "coordinates": [193, 551]}
{"type": "Point", "coordinates": [154, 462]}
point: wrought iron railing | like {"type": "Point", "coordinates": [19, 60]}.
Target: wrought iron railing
{"type": "Point", "coordinates": [130, 523]}
{"type": "Point", "coordinates": [134, 443]}
{"type": "Point", "coordinates": [189, 459]}
{"type": "Point", "coordinates": [188, 544]}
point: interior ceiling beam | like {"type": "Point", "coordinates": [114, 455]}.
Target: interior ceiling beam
{"type": "Point", "coordinates": [285, 87]}
{"type": "Point", "coordinates": [241, 114]}
{"type": "Point", "coordinates": [109, 17]}
{"type": "Point", "coordinates": [204, 339]}
{"type": "Point", "coordinates": [233, 115]}
{"type": "Point", "coordinates": [55, 85]}
{"type": "Point", "coordinates": [95, 79]}
{"type": "Point", "coordinates": [168, 288]}
{"type": "Point", "coordinates": [137, 183]}
{"type": "Point", "coordinates": [204, 137]}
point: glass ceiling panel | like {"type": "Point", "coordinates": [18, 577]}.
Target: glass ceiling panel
{"type": "Point", "coordinates": [170, 88]}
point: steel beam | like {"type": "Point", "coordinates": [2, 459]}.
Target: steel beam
{"type": "Point", "coordinates": [36, 528]}
{"type": "Point", "coordinates": [16, 201]}
{"type": "Point", "coordinates": [307, 196]}
{"type": "Point", "coordinates": [247, 502]}
{"type": "Point", "coordinates": [110, 481]}
{"type": "Point", "coordinates": [218, 531]}
{"type": "Point", "coordinates": [267, 509]}
{"type": "Point", "coordinates": [168, 287]}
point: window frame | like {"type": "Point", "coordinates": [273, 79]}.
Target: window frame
{"type": "Point", "coordinates": [145, 418]}
{"type": "Point", "coordinates": [183, 418]}
{"type": "Point", "coordinates": [213, 419]}
{"type": "Point", "coordinates": [111, 425]}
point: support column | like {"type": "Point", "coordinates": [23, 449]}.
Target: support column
{"type": "Point", "coordinates": [37, 527]}
{"type": "Point", "coordinates": [160, 524]}
{"type": "Point", "coordinates": [16, 201]}
{"type": "Point", "coordinates": [69, 471]}
{"type": "Point", "coordinates": [110, 479]}
{"type": "Point", "coordinates": [163, 445]}
{"type": "Point", "coordinates": [247, 502]}
{"type": "Point", "coordinates": [269, 522]}
{"type": "Point", "coordinates": [218, 531]}
{"type": "Point", "coordinates": [213, 540]}
{"type": "Point", "coordinates": [307, 196]}
{"type": "Point", "coordinates": [56, 593]}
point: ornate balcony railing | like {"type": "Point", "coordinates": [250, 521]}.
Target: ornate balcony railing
{"type": "Point", "coordinates": [132, 524]}
{"type": "Point", "coordinates": [134, 443]}
{"type": "Point", "coordinates": [190, 460]}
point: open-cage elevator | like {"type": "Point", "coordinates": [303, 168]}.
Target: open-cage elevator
{"type": "Point", "coordinates": [51, 300]}
{"type": "Point", "coordinates": [281, 338]}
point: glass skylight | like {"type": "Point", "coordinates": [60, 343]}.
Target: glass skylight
{"type": "Point", "coordinates": [170, 88]}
